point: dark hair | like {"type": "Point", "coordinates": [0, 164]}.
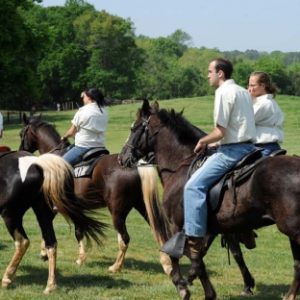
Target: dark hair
{"type": "Point", "coordinates": [225, 66]}
{"type": "Point", "coordinates": [265, 79]}
{"type": "Point", "coordinates": [96, 95]}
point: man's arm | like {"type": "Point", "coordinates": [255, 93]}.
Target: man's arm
{"type": "Point", "coordinates": [216, 135]}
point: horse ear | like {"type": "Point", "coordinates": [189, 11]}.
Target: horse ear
{"type": "Point", "coordinates": [145, 107]}
{"type": "Point", "coordinates": [25, 119]}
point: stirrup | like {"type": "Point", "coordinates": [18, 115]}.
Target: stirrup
{"type": "Point", "coordinates": [174, 247]}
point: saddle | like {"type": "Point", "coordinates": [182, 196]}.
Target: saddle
{"type": "Point", "coordinates": [4, 148]}
{"type": "Point", "coordinates": [89, 159]}
{"type": "Point", "coordinates": [241, 172]}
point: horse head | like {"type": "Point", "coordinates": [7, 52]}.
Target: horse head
{"type": "Point", "coordinates": [40, 135]}
{"type": "Point", "coordinates": [140, 140]}
{"type": "Point", "coordinates": [27, 135]}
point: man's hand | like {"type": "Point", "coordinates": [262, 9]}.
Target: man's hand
{"type": "Point", "coordinates": [200, 147]}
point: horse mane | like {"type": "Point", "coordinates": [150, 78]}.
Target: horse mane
{"type": "Point", "coordinates": [37, 123]}
{"type": "Point", "coordinates": [180, 126]}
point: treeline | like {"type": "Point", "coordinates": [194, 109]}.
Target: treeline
{"type": "Point", "coordinates": [49, 55]}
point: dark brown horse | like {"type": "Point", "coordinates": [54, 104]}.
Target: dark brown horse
{"type": "Point", "coordinates": [270, 196]}
{"type": "Point", "coordinates": [39, 183]}
{"type": "Point", "coordinates": [117, 188]}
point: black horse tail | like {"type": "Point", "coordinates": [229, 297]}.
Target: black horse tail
{"type": "Point", "coordinates": [158, 220]}
{"type": "Point", "coordinates": [58, 190]}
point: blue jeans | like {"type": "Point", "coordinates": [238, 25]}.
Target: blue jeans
{"type": "Point", "coordinates": [268, 148]}
{"type": "Point", "coordinates": [74, 155]}
{"type": "Point", "coordinates": [196, 188]}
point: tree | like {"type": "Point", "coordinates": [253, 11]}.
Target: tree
{"type": "Point", "coordinates": [19, 47]}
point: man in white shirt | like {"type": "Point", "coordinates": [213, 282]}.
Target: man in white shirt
{"type": "Point", "coordinates": [234, 131]}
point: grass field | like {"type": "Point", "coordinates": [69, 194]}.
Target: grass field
{"type": "Point", "coordinates": [142, 277]}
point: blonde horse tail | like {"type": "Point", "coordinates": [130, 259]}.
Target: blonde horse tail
{"type": "Point", "coordinates": [58, 190]}
{"type": "Point", "coordinates": [156, 214]}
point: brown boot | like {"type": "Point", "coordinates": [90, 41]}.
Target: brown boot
{"type": "Point", "coordinates": [248, 238]}
{"type": "Point", "coordinates": [194, 247]}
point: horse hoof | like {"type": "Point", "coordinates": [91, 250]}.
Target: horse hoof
{"type": "Point", "coordinates": [184, 294]}
{"type": "Point", "coordinates": [247, 292]}
{"type": "Point", "coordinates": [79, 262]}
{"type": "Point", "coordinates": [6, 282]}
{"type": "Point", "coordinates": [114, 269]}
{"type": "Point", "coordinates": [50, 289]}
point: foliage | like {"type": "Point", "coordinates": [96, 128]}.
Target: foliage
{"type": "Point", "coordinates": [50, 54]}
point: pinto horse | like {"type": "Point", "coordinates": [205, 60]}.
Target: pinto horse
{"type": "Point", "coordinates": [117, 188]}
{"type": "Point", "coordinates": [39, 183]}
{"type": "Point", "coordinates": [269, 196]}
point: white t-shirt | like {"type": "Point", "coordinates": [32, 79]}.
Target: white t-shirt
{"type": "Point", "coordinates": [268, 119]}
{"type": "Point", "coordinates": [233, 110]}
{"type": "Point", "coordinates": [91, 123]}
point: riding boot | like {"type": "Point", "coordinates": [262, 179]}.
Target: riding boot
{"type": "Point", "coordinates": [180, 244]}
{"type": "Point", "coordinates": [195, 249]}
{"type": "Point", "coordinates": [174, 246]}
{"type": "Point", "coordinates": [248, 238]}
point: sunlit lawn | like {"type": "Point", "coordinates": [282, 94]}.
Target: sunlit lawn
{"type": "Point", "coordinates": [142, 278]}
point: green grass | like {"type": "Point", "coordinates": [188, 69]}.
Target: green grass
{"type": "Point", "coordinates": [142, 278]}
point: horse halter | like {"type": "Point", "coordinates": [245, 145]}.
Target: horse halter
{"type": "Point", "coordinates": [23, 136]}
{"type": "Point", "coordinates": [141, 131]}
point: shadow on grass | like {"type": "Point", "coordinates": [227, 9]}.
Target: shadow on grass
{"type": "Point", "coordinates": [264, 292]}
{"type": "Point", "coordinates": [40, 275]}
{"type": "Point", "coordinates": [134, 264]}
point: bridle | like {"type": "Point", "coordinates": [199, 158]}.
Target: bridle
{"type": "Point", "coordinates": [149, 132]}
{"type": "Point", "coordinates": [33, 146]}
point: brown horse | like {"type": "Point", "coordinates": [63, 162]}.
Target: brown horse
{"type": "Point", "coordinates": [269, 196]}
{"type": "Point", "coordinates": [39, 183]}
{"type": "Point", "coordinates": [120, 191]}
{"type": "Point", "coordinates": [117, 188]}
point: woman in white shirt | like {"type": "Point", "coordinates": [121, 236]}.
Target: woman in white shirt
{"type": "Point", "coordinates": [268, 116]}
{"type": "Point", "coordinates": [88, 125]}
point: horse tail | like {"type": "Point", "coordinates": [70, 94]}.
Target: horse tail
{"type": "Point", "coordinates": [158, 220]}
{"type": "Point", "coordinates": [58, 190]}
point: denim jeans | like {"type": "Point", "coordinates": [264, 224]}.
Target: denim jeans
{"type": "Point", "coordinates": [268, 148]}
{"type": "Point", "coordinates": [74, 155]}
{"type": "Point", "coordinates": [196, 188]}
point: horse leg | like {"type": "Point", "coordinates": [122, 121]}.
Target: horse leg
{"type": "Point", "coordinates": [197, 250]}
{"type": "Point", "coordinates": [180, 283]}
{"type": "Point", "coordinates": [292, 293]}
{"type": "Point", "coordinates": [45, 219]}
{"type": "Point", "coordinates": [236, 251]}
{"type": "Point", "coordinates": [82, 255]}
{"type": "Point", "coordinates": [21, 246]}
{"type": "Point", "coordinates": [43, 253]}
{"type": "Point", "coordinates": [51, 282]}
{"type": "Point", "coordinates": [123, 242]}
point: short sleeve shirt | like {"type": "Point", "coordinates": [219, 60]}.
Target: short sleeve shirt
{"type": "Point", "coordinates": [233, 110]}
{"type": "Point", "coordinates": [268, 119]}
{"type": "Point", "coordinates": [90, 122]}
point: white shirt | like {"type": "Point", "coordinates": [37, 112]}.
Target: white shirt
{"type": "Point", "coordinates": [233, 110]}
{"type": "Point", "coordinates": [269, 120]}
{"type": "Point", "coordinates": [91, 123]}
